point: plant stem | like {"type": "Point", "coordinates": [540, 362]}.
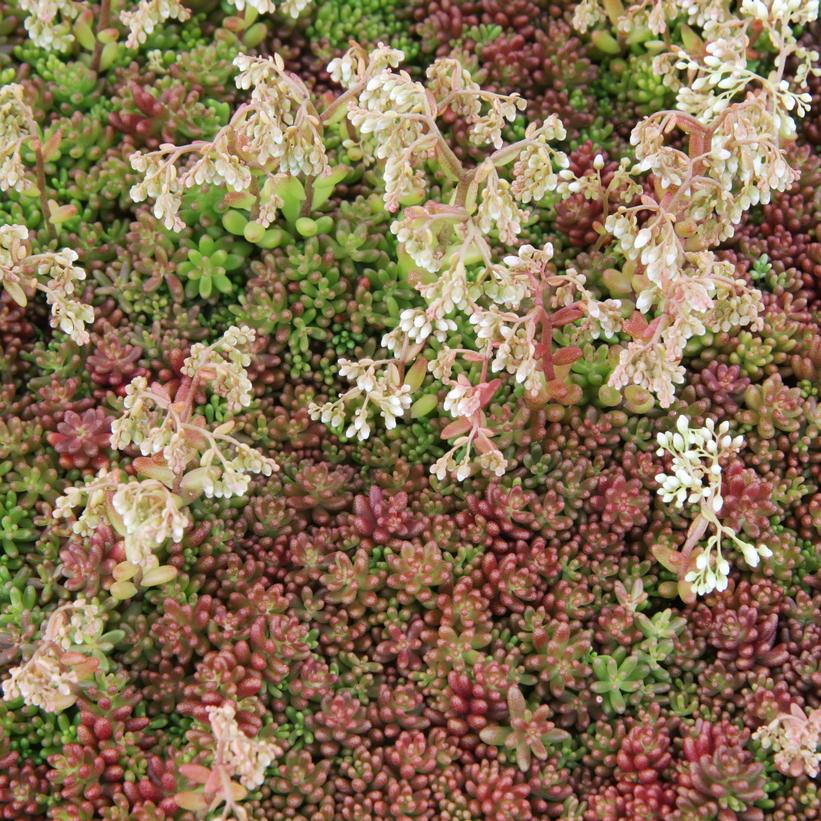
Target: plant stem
{"type": "Point", "coordinates": [105, 18]}
{"type": "Point", "coordinates": [41, 185]}
{"type": "Point", "coordinates": [307, 203]}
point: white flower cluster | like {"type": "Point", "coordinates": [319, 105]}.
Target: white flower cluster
{"type": "Point", "coordinates": [486, 113]}
{"type": "Point", "coordinates": [140, 421]}
{"type": "Point", "coordinates": [146, 513]}
{"type": "Point", "coordinates": [428, 232]}
{"type": "Point", "coordinates": [382, 391]}
{"type": "Point", "coordinates": [222, 364]}
{"type": "Point", "coordinates": [293, 8]}
{"type": "Point", "coordinates": [657, 14]}
{"type": "Point", "coordinates": [794, 12]}
{"type": "Point", "coordinates": [148, 15]}
{"type": "Point", "coordinates": [736, 122]}
{"type": "Point", "coordinates": [49, 22]}
{"type": "Point", "coordinates": [795, 737]}
{"type": "Point", "coordinates": [695, 478]}
{"type": "Point", "coordinates": [161, 183]}
{"type": "Point", "coordinates": [509, 303]}
{"type": "Point", "coordinates": [232, 476]}
{"type": "Point", "coordinates": [16, 126]}
{"type": "Point", "coordinates": [158, 425]}
{"type": "Point", "coordinates": [13, 251]}
{"type": "Point", "coordinates": [463, 399]}
{"type": "Point", "coordinates": [67, 313]}
{"type": "Point", "coordinates": [151, 514]}
{"type": "Point", "coordinates": [246, 759]}
{"type": "Point", "coordinates": [722, 76]}
{"type": "Point", "coordinates": [43, 681]}
{"type": "Point", "coordinates": [651, 367]}
{"type": "Point", "coordinates": [279, 133]}
{"type": "Point", "coordinates": [498, 209]}
{"type": "Point", "coordinates": [471, 450]}
{"type": "Point", "coordinates": [356, 65]}
{"type": "Point", "coordinates": [650, 14]}
{"type": "Point", "coordinates": [533, 173]}
{"type": "Point", "coordinates": [93, 497]}
{"type": "Point", "coordinates": [21, 272]}
{"type": "Point", "coordinates": [416, 326]}
{"type": "Point", "coordinates": [399, 116]}
{"type": "Point", "coordinates": [49, 678]}
{"type": "Point", "coordinates": [397, 113]}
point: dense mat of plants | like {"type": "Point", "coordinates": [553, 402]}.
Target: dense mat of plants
{"type": "Point", "coordinates": [409, 410]}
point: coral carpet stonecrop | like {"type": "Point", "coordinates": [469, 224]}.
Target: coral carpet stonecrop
{"type": "Point", "coordinates": [409, 410]}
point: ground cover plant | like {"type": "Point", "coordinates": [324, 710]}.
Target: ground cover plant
{"type": "Point", "coordinates": [409, 410]}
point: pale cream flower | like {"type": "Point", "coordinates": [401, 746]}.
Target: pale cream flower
{"type": "Point", "coordinates": [246, 759]}
{"type": "Point", "coordinates": [650, 366]}
{"type": "Point", "coordinates": [223, 365]}
{"type": "Point", "coordinates": [151, 514]}
{"type": "Point", "coordinates": [13, 252]}
{"type": "Point", "coordinates": [16, 121]}
{"type": "Point", "coordinates": [695, 478]}
{"type": "Point", "coordinates": [49, 22]}
{"type": "Point", "coordinates": [498, 208]}
{"type": "Point", "coordinates": [356, 65]}
{"type": "Point", "coordinates": [795, 737]}
{"type": "Point", "coordinates": [533, 172]}
{"type": "Point", "coordinates": [148, 15]}
{"type": "Point", "coordinates": [49, 678]}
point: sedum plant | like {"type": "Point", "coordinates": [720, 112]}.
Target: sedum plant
{"type": "Point", "coordinates": [182, 460]}
{"type": "Point", "coordinates": [513, 304]}
{"type": "Point", "coordinates": [23, 273]}
{"type": "Point", "coordinates": [55, 25]}
{"type": "Point", "coordinates": [235, 756]}
{"type": "Point", "coordinates": [19, 131]}
{"type": "Point", "coordinates": [51, 677]}
{"type": "Point", "coordinates": [695, 478]}
{"type": "Point", "coordinates": [529, 733]}
{"type": "Point", "coordinates": [735, 124]}
{"type": "Point", "coordinates": [795, 738]}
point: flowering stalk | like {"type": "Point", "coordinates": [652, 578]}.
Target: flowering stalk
{"type": "Point", "coordinates": [18, 128]}
{"type": "Point", "coordinates": [52, 675]}
{"type": "Point", "coordinates": [53, 272]}
{"type": "Point", "coordinates": [235, 756]}
{"type": "Point", "coordinates": [182, 459]}
{"type": "Point", "coordinates": [271, 140]}
{"type": "Point", "coordinates": [697, 455]}
{"type": "Point", "coordinates": [514, 305]}
{"type": "Point", "coordinates": [734, 160]}
{"type": "Point", "coordinates": [279, 134]}
{"type": "Point", "coordinates": [795, 737]}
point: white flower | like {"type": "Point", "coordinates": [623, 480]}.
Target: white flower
{"type": "Point", "coordinates": [696, 478]}
{"type": "Point", "coordinates": [49, 22]}
{"type": "Point", "coordinates": [463, 399]}
{"type": "Point", "coordinates": [147, 16]}
{"type": "Point", "coordinates": [356, 64]}
{"type": "Point", "coordinates": [245, 758]}
{"type": "Point", "coordinates": [151, 514]}
{"type": "Point", "coordinates": [498, 208]}
{"type": "Point", "coordinates": [16, 120]}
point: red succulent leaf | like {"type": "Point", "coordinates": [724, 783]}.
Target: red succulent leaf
{"type": "Point", "coordinates": [456, 428]}
{"type": "Point", "coordinates": [567, 356]}
{"type": "Point", "coordinates": [638, 327]}
{"type": "Point", "coordinates": [564, 316]}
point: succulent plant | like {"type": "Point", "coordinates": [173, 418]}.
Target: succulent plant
{"type": "Point", "coordinates": [429, 456]}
